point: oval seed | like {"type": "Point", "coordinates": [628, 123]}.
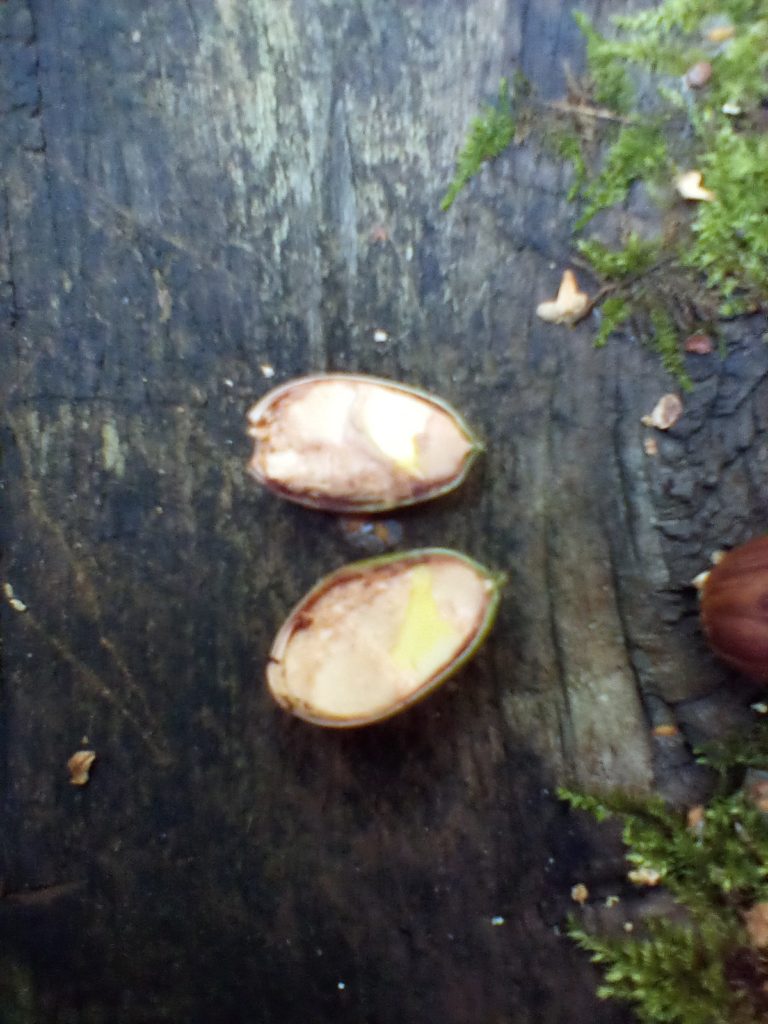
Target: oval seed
{"type": "Point", "coordinates": [375, 636]}
{"type": "Point", "coordinates": [347, 443]}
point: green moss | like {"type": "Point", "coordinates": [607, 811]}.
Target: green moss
{"type": "Point", "coordinates": [568, 146]}
{"type": "Point", "coordinates": [673, 974]}
{"type": "Point", "coordinates": [665, 341]}
{"type": "Point", "coordinates": [736, 753]}
{"type": "Point", "coordinates": [717, 252]}
{"type": "Point", "coordinates": [700, 969]}
{"type": "Point", "coordinates": [639, 153]}
{"type": "Point", "coordinates": [638, 257]}
{"type": "Point", "coordinates": [489, 135]}
{"type": "Point", "coordinates": [638, 125]}
{"type": "Point", "coordinates": [609, 80]}
{"type": "Point", "coordinates": [615, 311]}
{"type": "Point", "coordinates": [644, 290]}
{"type": "Point", "coordinates": [730, 235]}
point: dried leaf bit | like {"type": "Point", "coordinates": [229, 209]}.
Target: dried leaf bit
{"type": "Point", "coordinates": [758, 794]}
{"type": "Point", "coordinates": [699, 344]}
{"type": "Point", "coordinates": [79, 766]}
{"type": "Point", "coordinates": [579, 893]}
{"type": "Point", "coordinates": [651, 446]}
{"type": "Point", "coordinates": [644, 876]}
{"type": "Point", "coordinates": [665, 414]}
{"type": "Point", "coordinates": [689, 186]}
{"type": "Point", "coordinates": [570, 305]}
{"type": "Point", "coordinates": [665, 729]}
{"type": "Point", "coordinates": [16, 603]}
{"type": "Point", "coordinates": [756, 923]}
{"type": "Point", "coordinates": [695, 818]}
{"type": "Point", "coordinates": [697, 76]}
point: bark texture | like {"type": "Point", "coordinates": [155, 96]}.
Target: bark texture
{"type": "Point", "coordinates": [198, 195]}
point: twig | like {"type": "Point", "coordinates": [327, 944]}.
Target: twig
{"type": "Point", "coordinates": [584, 110]}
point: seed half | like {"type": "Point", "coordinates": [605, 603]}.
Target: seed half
{"type": "Point", "coordinates": [349, 443]}
{"type": "Point", "coordinates": [378, 635]}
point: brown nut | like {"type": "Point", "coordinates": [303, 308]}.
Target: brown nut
{"type": "Point", "coordinates": [734, 608]}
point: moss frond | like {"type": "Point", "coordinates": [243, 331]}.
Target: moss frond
{"type": "Point", "coordinates": [665, 340]}
{"type": "Point", "coordinates": [639, 152]}
{"type": "Point", "coordinates": [705, 967]}
{"type": "Point", "coordinates": [615, 312]}
{"type": "Point", "coordinates": [489, 135]}
{"type": "Point", "coordinates": [673, 974]}
{"type": "Point", "coordinates": [638, 257]}
{"type": "Point", "coordinates": [610, 82]}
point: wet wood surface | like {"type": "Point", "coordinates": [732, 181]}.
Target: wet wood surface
{"type": "Point", "coordinates": [201, 200]}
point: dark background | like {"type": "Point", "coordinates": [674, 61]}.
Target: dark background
{"type": "Point", "coordinates": [194, 194]}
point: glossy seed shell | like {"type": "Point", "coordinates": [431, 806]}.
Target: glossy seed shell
{"type": "Point", "coordinates": [734, 608]}
{"type": "Point", "coordinates": [378, 635]}
{"type": "Point", "coordinates": [352, 444]}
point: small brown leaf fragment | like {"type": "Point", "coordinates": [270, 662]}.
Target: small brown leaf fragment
{"type": "Point", "coordinates": [756, 923]}
{"type": "Point", "coordinates": [695, 818]}
{"type": "Point", "coordinates": [758, 794]}
{"type": "Point", "coordinates": [579, 893]}
{"type": "Point", "coordinates": [698, 75]}
{"type": "Point", "coordinates": [699, 344]}
{"type": "Point", "coordinates": [570, 305]}
{"type": "Point", "coordinates": [651, 446]}
{"type": "Point", "coordinates": [79, 766]}
{"type": "Point", "coordinates": [665, 413]}
{"type": "Point", "coordinates": [666, 729]}
{"type": "Point", "coordinates": [689, 186]}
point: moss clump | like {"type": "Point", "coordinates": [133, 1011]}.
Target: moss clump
{"type": "Point", "coordinates": [638, 258]}
{"type": "Point", "coordinates": [636, 122]}
{"type": "Point", "coordinates": [610, 82]}
{"type": "Point", "coordinates": [638, 154]}
{"type": "Point", "coordinates": [719, 129]}
{"type": "Point", "coordinates": [707, 968]}
{"type": "Point", "coordinates": [489, 135]}
{"type": "Point", "coordinates": [674, 974]}
{"type": "Point", "coordinates": [643, 285]}
{"type": "Point", "coordinates": [730, 236]}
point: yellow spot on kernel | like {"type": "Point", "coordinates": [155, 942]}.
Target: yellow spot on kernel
{"type": "Point", "coordinates": [425, 639]}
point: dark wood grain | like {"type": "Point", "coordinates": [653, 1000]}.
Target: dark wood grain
{"type": "Point", "coordinates": [194, 195]}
